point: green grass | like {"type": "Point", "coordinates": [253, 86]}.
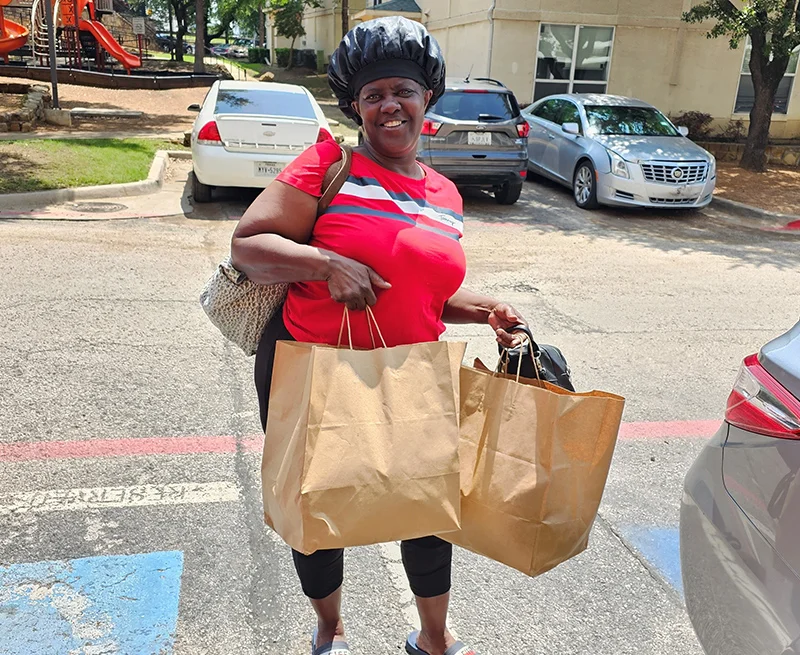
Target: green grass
{"type": "Point", "coordinates": [165, 55]}
{"type": "Point", "coordinates": [32, 165]}
{"type": "Point", "coordinates": [256, 68]}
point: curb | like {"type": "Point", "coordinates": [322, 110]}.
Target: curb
{"type": "Point", "coordinates": [153, 184]}
{"type": "Point", "coordinates": [779, 222]}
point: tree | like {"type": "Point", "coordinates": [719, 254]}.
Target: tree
{"type": "Point", "coordinates": [199, 36]}
{"type": "Point", "coordinates": [182, 10]}
{"type": "Point", "coordinates": [345, 17]}
{"type": "Point", "coordinates": [287, 16]}
{"type": "Point", "coordinates": [774, 30]}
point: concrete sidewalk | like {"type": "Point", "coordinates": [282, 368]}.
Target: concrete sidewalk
{"type": "Point", "coordinates": [71, 134]}
{"type": "Point", "coordinates": [171, 200]}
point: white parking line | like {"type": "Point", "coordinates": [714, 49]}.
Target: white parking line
{"type": "Point", "coordinates": [59, 500]}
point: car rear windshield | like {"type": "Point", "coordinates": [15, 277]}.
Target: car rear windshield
{"type": "Point", "coordinates": [270, 103]}
{"type": "Point", "coordinates": [476, 106]}
{"type": "Point", "coordinates": [635, 121]}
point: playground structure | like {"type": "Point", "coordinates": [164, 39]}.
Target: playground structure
{"type": "Point", "coordinates": [82, 39]}
{"type": "Point", "coordinates": [12, 35]}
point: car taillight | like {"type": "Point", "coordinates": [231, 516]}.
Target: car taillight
{"type": "Point", "coordinates": [324, 135]}
{"type": "Point", "coordinates": [209, 135]}
{"type": "Point", "coordinates": [475, 91]}
{"type": "Point", "coordinates": [523, 129]}
{"type": "Point", "coordinates": [760, 404]}
{"type": "Point", "coordinates": [430, 128]}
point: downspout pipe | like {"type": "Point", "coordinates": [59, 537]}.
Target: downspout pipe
{"type": "Point", "coordinates": [492, 7]}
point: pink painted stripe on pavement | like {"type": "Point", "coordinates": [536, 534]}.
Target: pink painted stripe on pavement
{"type": "Point", "coordinates": [146, 446]}
{"type": "Point", "coordinates": [26, 451]}
{"type": "Point", "coordinates": [661, 430]}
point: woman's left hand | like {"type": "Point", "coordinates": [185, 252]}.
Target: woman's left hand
{"type": "Point", "coordinates": [502, 317]}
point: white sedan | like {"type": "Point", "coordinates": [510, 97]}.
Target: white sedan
{"type": "Point", "coordinates": [247, 132]}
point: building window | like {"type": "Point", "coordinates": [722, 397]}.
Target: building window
{"type": "Point", "coordinates": [572, 59]}
{"type": "Point", "coordinates": [746, 95]}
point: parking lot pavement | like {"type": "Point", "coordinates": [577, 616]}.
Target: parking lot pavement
{"type": "Point", "coordinates": [130, 511]}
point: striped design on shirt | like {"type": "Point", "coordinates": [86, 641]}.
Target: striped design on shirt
{"type": "Point", "coordinates": [376, 200]}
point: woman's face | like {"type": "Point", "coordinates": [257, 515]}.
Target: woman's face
{"type": "Point", "coordinates": [392, 111]}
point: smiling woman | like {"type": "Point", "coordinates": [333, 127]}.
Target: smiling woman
{"type": "Point", "coordinates": [389, 240]}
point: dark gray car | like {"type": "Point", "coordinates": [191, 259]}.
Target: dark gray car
{"type": "Point", "coordinates": [476, 136]}
{"type": "Point", "coordinates": [740, 515]}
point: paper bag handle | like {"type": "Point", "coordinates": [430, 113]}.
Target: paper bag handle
{"type": "Point", "coordinates": [371, 320]}
{"type": "Point", "coordinates": [533, 350]}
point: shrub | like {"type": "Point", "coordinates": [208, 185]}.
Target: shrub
{"type": "Point", "coordinates": [282, 57]}
{"type": "Point", "coordinates": [257, 55]}
{"type": "Point", "coordinates": [699, 124]}
{"type": "Point", "coordinates": [734, 131]}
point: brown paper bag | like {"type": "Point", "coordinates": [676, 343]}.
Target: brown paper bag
{"type": "Point", "coordinates": [362, 446]}
{"type": "Point", "coordinates": [534, 462]}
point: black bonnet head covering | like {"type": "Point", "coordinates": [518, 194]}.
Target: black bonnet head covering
{"type": "Point", "coordinates": [385, 47]}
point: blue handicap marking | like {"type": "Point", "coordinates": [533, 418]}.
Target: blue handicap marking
{"type": "Point", "coordinates": [124, 604]}
{"type": "Point", "coordinates": [660, 546]}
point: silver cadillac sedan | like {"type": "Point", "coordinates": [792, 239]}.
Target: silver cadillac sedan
{"type": "Point", "coordinates": [617, 151]}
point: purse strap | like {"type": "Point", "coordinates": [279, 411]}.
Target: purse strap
{"type": "Point", "coordinates": [334, 179]}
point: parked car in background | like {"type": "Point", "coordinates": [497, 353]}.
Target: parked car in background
{"type": "Point", "coordinates": [740, 515]}
{"type": "Point", "coordinates": [221, 49]}
{"type": "Point", "coordinates": [619, 151]}
{"type": "Point", "coordinates": [164, 41]}
{"type": "Point", "coordinates": [476, 136]}
{"type": "Point", "coordinates": [246, 132]}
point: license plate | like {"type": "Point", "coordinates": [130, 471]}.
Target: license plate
{"type": "Point", "coordinates": [479, 138]}
{"type": "Point", "coordinates": [264, 169]}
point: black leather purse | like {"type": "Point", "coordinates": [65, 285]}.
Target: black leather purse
{"type": "Point", "coordinates": [531, 358]}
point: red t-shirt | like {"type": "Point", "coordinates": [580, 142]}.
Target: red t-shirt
{"type": "Point", "coordinates": [408, 231]}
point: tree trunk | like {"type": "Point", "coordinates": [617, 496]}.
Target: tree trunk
{"type": "Point", "coordinates": [754, 157]}
{"type": "Point", "coordinates": [171, 33]}
{"type": "Point", "coordinates": [179, 34]}
{"type": "Point", "coordinates": [199, 36]}
{"type": "Point", "coordinates": [345, 17]}
{"type": "Point", "coordinates": [291, 54]}
{"type": "Point", "coordinates": [262, 20]}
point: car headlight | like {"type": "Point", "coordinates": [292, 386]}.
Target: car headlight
{"type": "Point", "coordinates": [712, 168]}
{"type": "Point", "coordinates": [619, 166]}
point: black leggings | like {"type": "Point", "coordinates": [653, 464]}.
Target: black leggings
{"type": "Point", "coordinates": [427, 560]}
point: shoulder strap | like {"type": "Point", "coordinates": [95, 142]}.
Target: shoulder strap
{"type": "Point", "coordinates": [335, 178]}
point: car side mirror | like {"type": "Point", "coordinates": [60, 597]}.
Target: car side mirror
{"type": "Point", "coordinates": [194, 107]}
{"type": "Point", "coordinates": [684, 131]}
{"type": "Point", "coordinates": [571, 128]}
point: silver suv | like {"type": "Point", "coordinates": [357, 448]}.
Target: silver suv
{"type": "Point", "coordinates": [476, 136]}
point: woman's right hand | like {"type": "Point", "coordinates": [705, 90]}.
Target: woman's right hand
{"type": "Point", "coordinates": [353, 283]}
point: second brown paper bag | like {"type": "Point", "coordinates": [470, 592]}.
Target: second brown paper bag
{"type": "Point", "coordinates": [534, 462]}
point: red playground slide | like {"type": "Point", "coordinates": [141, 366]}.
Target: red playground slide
{"type": "Point", "coordinates": [12, 35]}
{"type": "Point", "coordinates": [108, 42]}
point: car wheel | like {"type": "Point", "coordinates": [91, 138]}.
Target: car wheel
{"type": "Point", "coordinates": [200, 192]}
{"type": "Point", "coordinates": [584, 186]}
{"type": "Point", "coordinates": [509, 193]}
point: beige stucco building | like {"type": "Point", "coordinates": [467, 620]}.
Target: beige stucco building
{"type": "Point", "coordinates": [638, 48]}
